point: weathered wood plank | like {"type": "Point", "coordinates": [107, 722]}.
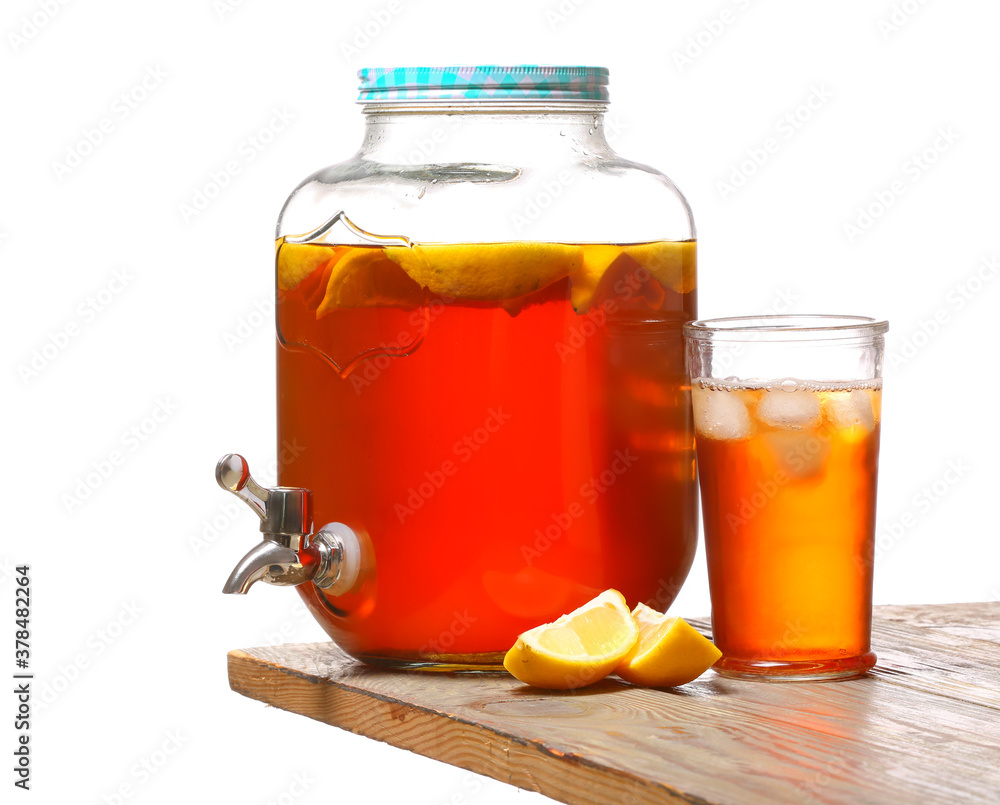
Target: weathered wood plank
{"type": "Point", "coordinates": [930, 648]}
{"type": "Point", "coordinates": [924, 728]}
{"type": "Point", "coordinates": [974, 621]}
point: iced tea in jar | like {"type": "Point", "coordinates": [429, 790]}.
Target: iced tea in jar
{"type": "Point", "coordinates": [787, 413]}
{"type": "Point", "coordinates": [480, 362]}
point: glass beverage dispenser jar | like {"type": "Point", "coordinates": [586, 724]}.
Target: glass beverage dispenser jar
{"type": "Point", "coordinates": [481, 368]}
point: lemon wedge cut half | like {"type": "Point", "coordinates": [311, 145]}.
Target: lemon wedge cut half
{"type": "Point", "coordinates": [669, 651]}
{"type": "Point", "coordinates": [577, 649]}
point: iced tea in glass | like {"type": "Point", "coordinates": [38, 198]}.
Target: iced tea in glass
{"type": "Point", "coordinates": [787, 413]}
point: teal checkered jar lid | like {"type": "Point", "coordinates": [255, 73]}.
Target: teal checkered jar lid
{"type": "Point", "coordinates": [524, 82]}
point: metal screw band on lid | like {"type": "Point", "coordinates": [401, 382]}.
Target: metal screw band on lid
{"type": "Point", "coordinates": [524, 82]}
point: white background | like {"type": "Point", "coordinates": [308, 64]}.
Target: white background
{"type": "Point", "coordinates": [121, 687]}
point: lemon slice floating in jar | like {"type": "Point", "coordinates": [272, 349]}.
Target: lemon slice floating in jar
{"type": "Point", "coordinates": [493, 272]}
{"type": "Point", "coordinates": [487, 271]}
{"type": "Point", "coordinates": [671, 263]}
{"type": "Point", "coordinates": [297, 261]}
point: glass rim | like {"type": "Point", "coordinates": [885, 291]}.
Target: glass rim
{"type": "Point", "coordinates": [786, 327]}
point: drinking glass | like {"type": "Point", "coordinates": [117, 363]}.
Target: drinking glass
{"type": "Point", "coordinates": [787, 413]}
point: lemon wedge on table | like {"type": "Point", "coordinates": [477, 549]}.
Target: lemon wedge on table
{"type": "Point", "coordinates": [577, 649]}
{"type": "Point", "coordinates": [669, 651]}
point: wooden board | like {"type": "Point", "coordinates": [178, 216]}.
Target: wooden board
{"type": "Point", "coordinates": [923, 727]}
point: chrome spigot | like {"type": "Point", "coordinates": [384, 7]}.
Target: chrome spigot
{"type": "Point", "coordinates": [290, 554]}
{"type": "Point", "coordinates": [267, 561]}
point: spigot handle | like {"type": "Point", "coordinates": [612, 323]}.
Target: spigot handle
{"type": "Point", "coordinates": [285, 512]}
{"type": "Point", "coordinates": [233, 473]}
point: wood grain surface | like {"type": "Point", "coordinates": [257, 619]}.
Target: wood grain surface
{"type": "Point", "coordinates": [923, 727]}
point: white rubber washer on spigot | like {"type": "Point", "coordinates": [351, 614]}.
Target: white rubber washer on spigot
{"type": "Point", "coordinates": [351, 558]}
